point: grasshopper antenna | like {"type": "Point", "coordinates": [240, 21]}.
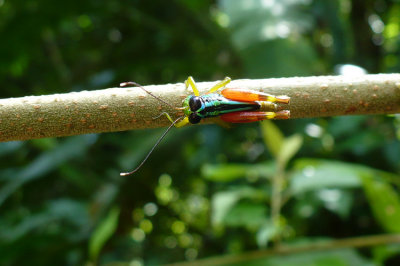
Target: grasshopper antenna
{"type": "Point", "coordinates": [134, 84]}
{"type": "Point", "coordinates": [152, 149]}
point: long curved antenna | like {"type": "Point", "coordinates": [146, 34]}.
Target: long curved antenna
{"type": "Point", "coordinates": [152, 149]}
{"type": "Point", "coordinates": [131, 84]}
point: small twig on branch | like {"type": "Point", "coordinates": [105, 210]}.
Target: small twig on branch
{"type": "Point", "coordinates": [118, 109]}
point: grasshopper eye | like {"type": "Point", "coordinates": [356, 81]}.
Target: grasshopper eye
{"type": "Point", "coordinates": [194, 103]}
{"type": "Point", "coordinates": [194, 118]}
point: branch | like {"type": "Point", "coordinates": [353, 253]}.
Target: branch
{"type": "Point", "coordinates": [355, 242]}
{"type": "Point", "coordinates": [118, 109]}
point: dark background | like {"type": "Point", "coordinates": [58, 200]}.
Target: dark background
{"type": "Point", "coordinates": [206, 190]}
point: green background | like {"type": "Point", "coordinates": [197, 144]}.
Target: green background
{"type": "Point", "coordinates": [206, 190]}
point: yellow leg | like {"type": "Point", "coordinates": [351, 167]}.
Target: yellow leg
{"type": "Point", "coordinates": [220, 84]}
{"type": "Point", "coordinates": [190, 81]}
{"type": "Point", "coordinates": [166, 114]}
{"type": "Point", "coordinates": [181, 123]}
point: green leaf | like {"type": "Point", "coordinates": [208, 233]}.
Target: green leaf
{"type": "Point", "coordinates": [230, 172]}
{"type": "Point", "coordinates": [341, 257]}
{"type": "Point", "coordinates": [223, 202]}
{"type": "Point", "coordinates": [314, 174]}
{"type": "Point", "coordinates": [384, 201]}
{"type": "Point", "coordinates": [103, 232]}
{"type": "Point", "coordinates": [273, 137]}
{"type": "Point", "coordinates": [267, 231]}
{"type": "Point", "coordinates": [72, 214]}
{"type": "Point", "coordinates": [247, 214]}
{"type": "Point", "coordinates": [72, 147]}
{"type": "Point", "coordinates": [382, 253]}
{"type": "Point", "coordinates": [290, 147]}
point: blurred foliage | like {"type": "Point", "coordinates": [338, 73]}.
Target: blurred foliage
{"type": "Point", "coordinates": [206, 191]}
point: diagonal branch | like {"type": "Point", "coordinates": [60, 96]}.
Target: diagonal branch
{"type": "Point", "coordinates": [118, 109]}
{"type": "Point", "coordinates": [322, 245]}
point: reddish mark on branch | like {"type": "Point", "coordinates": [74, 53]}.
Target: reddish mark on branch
{"type": "Point", "coordinates": [132, 115]}
{"type": "Point", "coordinates": [91, 126]}
{"type": "Point", "coordinates": [351, 109]}
{"type": "Point", "coordinates": [83, 121]}
{"type": "Point", "coordinates": [306, 95]}
{"type": "Point", "coordinates": [376, 87]}
{"type": "Point", "coordinates": [324, 86]}
{"type": "Point", "coordinates": [147, 122]}
{"type": "Point", "coordinates": [40, 119]}
{"type": "Point", "coordinates": [30, 129]}
{"type": "Point", "coordinates": [103, 107]}
{"type": "Point", "coordinates": [182, 97]}
{"type": "Point", "coordinates": [142, 106]}
{"type": "Point", "coordinates": [142, 97]}
{"type": "Point", "coordinates": [354, 91]}
{"type": "Point", "coordinates": [18, 116]}
{"type": "Point", "coordinates": [114, 114]}
{"type": "Point", "coordinates": [297, 94]}
{"type": "Point", "coordinates": [95, 102]}
{"type": "Point", "coordinates": [134, 120]}
{"type": "Point", "coordinates": [88, 115]}
{"type": "Point", "coordinates": [36, 106]}
{"type": "Point", "coordinates": [130, 103]}
{"type": "Point", "coordinates": [159, 107]}
{"type": "Point", "coordinates": [323, 110]}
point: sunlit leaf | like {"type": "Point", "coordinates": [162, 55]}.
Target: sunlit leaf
{"type": "Point", "coordinates": [103, 232]}
{"type": "Point", "coordinates": [290, 147]}
{"type": "Point", "coordinates": [272, 136]}
{"type": "Point", "coordinates": [267, 232]}
{"type": "Point", "coordinates": [314, 174]}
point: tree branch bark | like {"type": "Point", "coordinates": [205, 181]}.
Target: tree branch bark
{"type": "Point", "coordinates": [118, 109]}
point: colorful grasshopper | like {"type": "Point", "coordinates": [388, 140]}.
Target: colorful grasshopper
{"type": "Point", "coordinates": [231, 105]}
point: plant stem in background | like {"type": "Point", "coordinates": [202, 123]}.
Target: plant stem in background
{"type": "Point", "coordinates": [355, 242]}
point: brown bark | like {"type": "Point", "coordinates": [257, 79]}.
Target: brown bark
{"type": "Point", "coordinates": [118, 109]}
